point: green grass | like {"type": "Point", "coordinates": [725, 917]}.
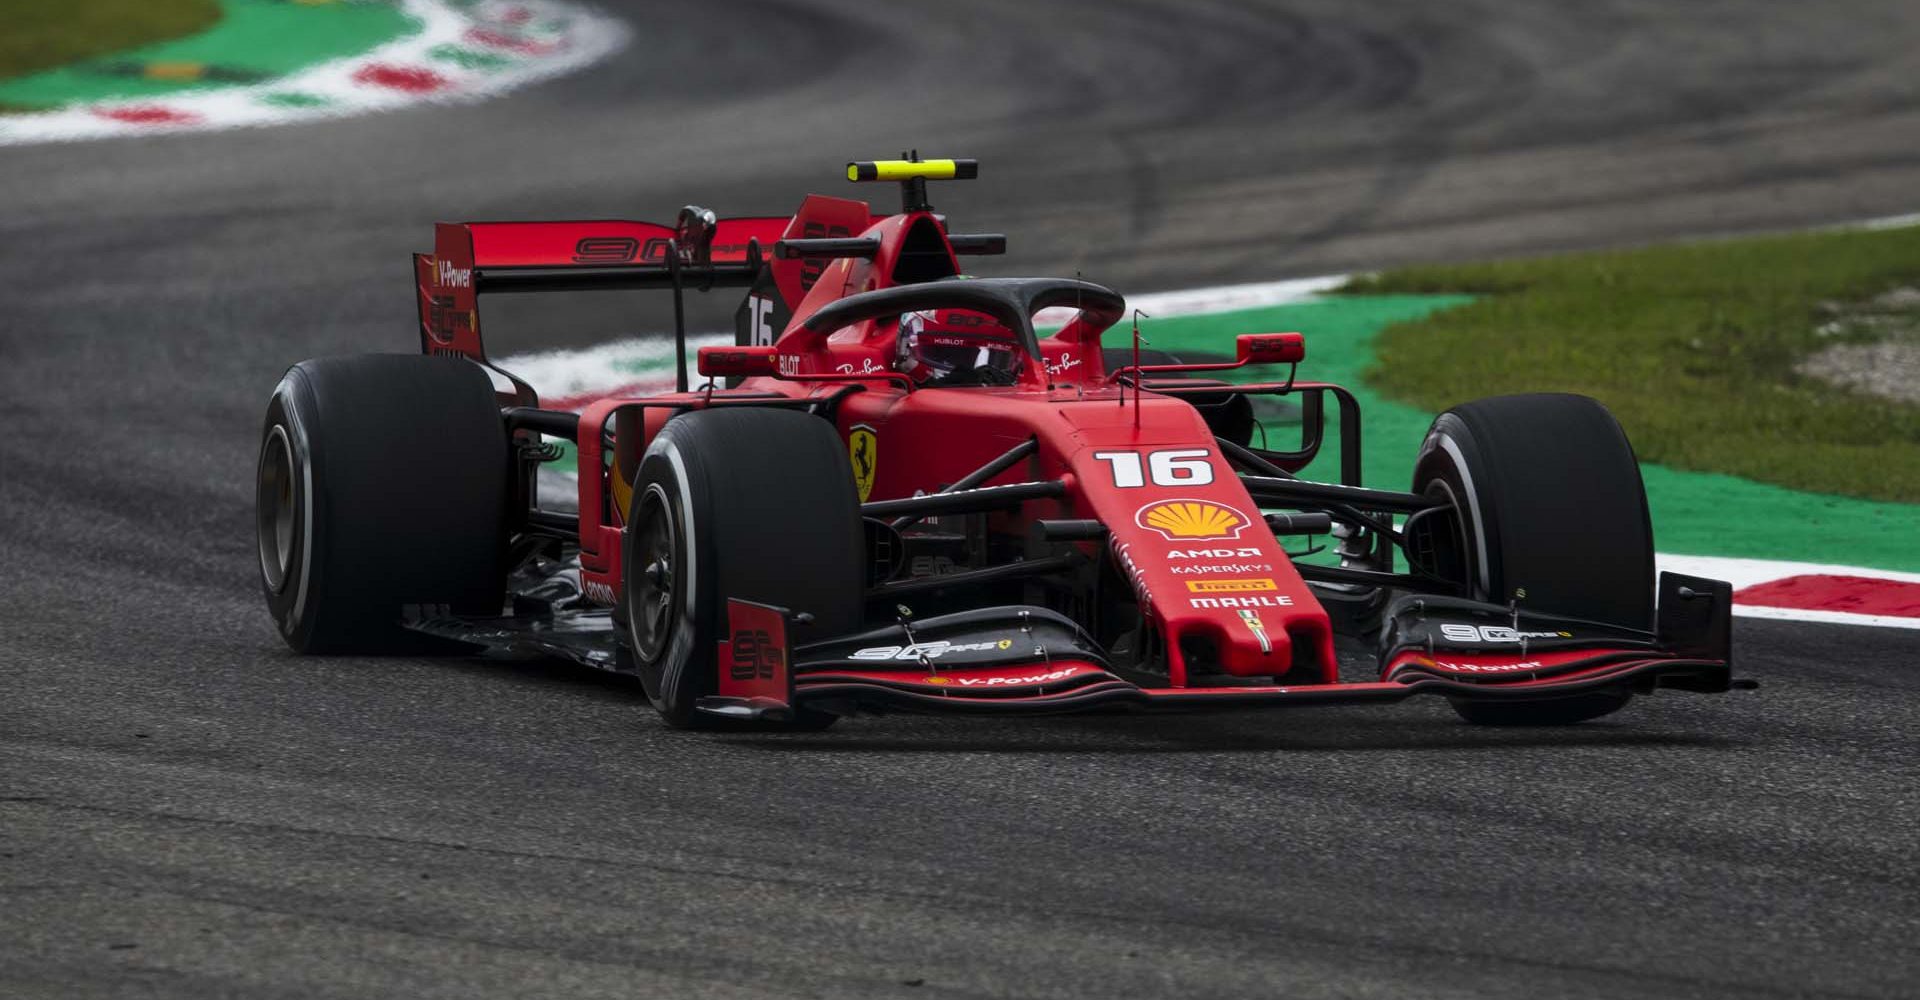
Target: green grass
{"type": "Point", "coordinates": [1693, 347]}
{"type": "Point", "coordinates": [250, 41]}
{"type": "Point", "coordinates": [41, 36]}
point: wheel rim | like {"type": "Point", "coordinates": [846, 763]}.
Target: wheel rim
{"type": "Point", "coordinates": [275, 511]}
{"type": "Point", "coordinates": [1454, 550]}
{"type": "Point", "coordinates": [651, 593]}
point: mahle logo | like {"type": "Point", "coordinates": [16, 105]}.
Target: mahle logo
{"type": "Point", "coordinates": [1260, 601]}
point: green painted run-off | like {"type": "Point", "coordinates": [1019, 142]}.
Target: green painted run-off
{"type": "Point", "coordinates": [254, 41]}
{"type": "Point", "coordinates": [1694, 513]}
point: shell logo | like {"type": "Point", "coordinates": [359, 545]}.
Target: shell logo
{"type": "Point", "coordinates": [1191, 520]}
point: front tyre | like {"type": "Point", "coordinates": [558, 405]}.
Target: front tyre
{"type": "Point", "coordinates": [738, 502]}
{"type": "Point", "coordinates": [1552, 513]}
{"type": "Point", "coordinates": [382, 483]}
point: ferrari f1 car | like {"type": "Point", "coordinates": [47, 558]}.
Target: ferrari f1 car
{"type": "Point", "coordinates": [905, 489]}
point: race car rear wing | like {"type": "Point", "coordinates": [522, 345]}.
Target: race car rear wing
{"type": "Point", "coordinates": [700, 252]}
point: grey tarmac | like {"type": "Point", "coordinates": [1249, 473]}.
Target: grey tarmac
{"type": "Point", "coordinates": [188, 810]}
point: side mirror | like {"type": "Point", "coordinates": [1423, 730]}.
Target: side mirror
{"type": "Point", "coordinates": [738, 362]}
{"type": "Point", "coordinates": [1268, 348]}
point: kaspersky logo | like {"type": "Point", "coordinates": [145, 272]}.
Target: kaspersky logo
{"type": "Point", "coordinates": [1191, 520]}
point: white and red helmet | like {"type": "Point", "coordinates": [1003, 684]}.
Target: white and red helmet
{"type": "Point", "coordinates": [957, 347]}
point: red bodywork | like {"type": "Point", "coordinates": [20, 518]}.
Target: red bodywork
{"type": "Point", "coordinates": [1190, 537]}
{"type": "Point", "coordinates": [1181, 527]}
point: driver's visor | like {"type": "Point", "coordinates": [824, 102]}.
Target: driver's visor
{"type": "Point", "coordinates": [959, 351]}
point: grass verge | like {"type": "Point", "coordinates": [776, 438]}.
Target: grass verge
{"type": "Point", "coordinates": [41, 36]}
{"type": "Point", "coordinates": [1693, 347]}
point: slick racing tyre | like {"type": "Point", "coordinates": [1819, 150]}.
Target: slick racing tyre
{"type": "Point", "coordinates": [751, 503]}
{"type": "Point", "coordinates": [1551, 513]}
{"type": "Point", "coordinates": [382, 483]}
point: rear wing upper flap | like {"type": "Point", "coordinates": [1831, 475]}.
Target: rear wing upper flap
{"type": "Point", "coordinates": [473, 257]}
{"type": "Point", "coordinates": [607, 242]}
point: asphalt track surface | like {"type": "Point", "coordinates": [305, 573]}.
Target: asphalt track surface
{"type": "Point", "coordinates": [188, 810]}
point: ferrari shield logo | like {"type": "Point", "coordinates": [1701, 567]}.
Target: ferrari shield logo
{"type": "Point", "coordinates": [1258, 627]}
{"type": "Point", "coordinates": [863, 447]}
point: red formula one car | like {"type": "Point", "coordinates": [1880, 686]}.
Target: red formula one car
{"type": "Point", "coordinates": [896, 492]}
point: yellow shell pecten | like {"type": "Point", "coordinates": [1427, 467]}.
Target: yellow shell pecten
{"type": "Point", "coordinates": [1193, 519]}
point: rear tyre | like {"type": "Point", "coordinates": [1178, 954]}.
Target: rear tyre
{"type": "Point", "coordinates": [756, 504]}
{"type": "Point", "coordinates": [382, 483]}
{"type": "Point", "coordinates": [1553, 513]}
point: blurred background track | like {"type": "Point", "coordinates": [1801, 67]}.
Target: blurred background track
{"type": "Point", "coordinates": [185, 809]}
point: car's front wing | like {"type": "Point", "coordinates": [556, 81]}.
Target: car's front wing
{"type": "Point", "coordinates": [1459, 649]}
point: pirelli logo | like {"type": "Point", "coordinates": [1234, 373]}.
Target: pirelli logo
{"type": "Point", "coordinates": [1232, 586]}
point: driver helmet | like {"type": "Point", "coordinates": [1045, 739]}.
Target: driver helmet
{"type": "Point", "coordinates": [957, 347]}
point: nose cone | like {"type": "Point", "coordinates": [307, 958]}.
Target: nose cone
{"type": "Point", "coordinates": [1197, 553]}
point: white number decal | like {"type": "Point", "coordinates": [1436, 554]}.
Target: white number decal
{"type": "Point", "coordinates": [1180, 468]}
{"type": "Point", "coordinates": [762, 322]}
{"type": "Point", "coordinates": [1177, 467]}
{"type": "Point", "coordinates": [1126, 467]}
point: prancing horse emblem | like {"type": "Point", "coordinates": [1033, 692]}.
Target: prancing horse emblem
{"type": "Point", "coordinates": [863, 446]}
